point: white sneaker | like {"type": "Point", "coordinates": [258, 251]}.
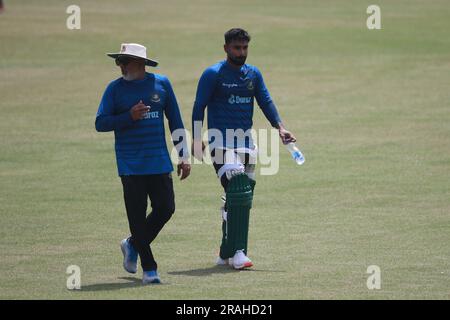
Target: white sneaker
{"type": "Point", "coordinates": [241, 261]}
{"type": "Point", "coordinates": [223, 262]}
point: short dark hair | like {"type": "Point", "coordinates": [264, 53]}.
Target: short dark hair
{"type": "Point", "coordinates": [236, 34]}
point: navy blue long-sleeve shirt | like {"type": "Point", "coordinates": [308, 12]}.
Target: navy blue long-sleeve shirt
{"type": "Point", "coordinates": [141, 145]}
{"type": "Point", "coordinates": [229, 94]}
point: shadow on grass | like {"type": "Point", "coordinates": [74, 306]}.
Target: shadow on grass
{"type": "Point", "coordinates": [132, 282]}
{"type": "Point", "coordinates": [214, 270]}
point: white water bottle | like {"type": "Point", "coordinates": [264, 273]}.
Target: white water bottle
{"type": "Point", "coordinates": [295, 153]}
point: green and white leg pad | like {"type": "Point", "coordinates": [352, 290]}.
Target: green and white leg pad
{"type": "Point", "coordinates": [239, 198]}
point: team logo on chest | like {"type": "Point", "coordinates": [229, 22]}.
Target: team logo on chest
{"type": "Point", "coordinates": [155, 98]}
{"type": "Point", "coordinates": [250, 85]}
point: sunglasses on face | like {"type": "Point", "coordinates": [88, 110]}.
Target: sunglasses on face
{"type": "Point", "coordinates": [123, 60]}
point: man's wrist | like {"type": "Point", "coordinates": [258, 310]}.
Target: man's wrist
{"type": "Point", "coordinates": [184, 159]}
{"type": "Point", "coordinates": [280, 126]}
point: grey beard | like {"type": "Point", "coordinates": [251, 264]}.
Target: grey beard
{"type": "Point", "coordinates": [129, 77]}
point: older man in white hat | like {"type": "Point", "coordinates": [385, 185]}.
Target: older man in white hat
{"type": "Point", "coordinates": [133, 106]}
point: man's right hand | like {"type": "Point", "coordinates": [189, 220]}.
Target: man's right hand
{"type": "Point", "coordinates": [138, 111]}
{"type": "Point", "coordinates": [198, 147]}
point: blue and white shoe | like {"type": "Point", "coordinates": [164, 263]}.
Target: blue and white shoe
{"type": "Point", "coordinates": [130, 256]}
{"type": "Point", "coordinates": [151, 276]}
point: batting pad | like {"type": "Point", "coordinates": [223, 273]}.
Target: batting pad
{"type": "Point", "coordinates": [239, 203]}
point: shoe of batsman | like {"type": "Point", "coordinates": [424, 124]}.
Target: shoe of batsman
{"type": "Point", "coordinates": [240, 261]}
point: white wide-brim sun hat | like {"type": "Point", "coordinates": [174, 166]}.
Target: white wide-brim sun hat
{"type": "Point", "coordinates": [134, 50]}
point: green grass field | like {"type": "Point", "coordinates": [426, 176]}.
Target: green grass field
{"type": "Point", "coordinates": [370, 109]}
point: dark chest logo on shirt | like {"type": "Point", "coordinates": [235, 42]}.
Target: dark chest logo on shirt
{"type": "Point", "coordinates": [250, 85]}
{"type": "Point", "coordinates": [155, 98]}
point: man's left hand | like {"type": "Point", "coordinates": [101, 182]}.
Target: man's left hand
{"type": "Point", "coordinates": [286, 136]}
{"type": "Point", "coordinates": [184, 169]}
